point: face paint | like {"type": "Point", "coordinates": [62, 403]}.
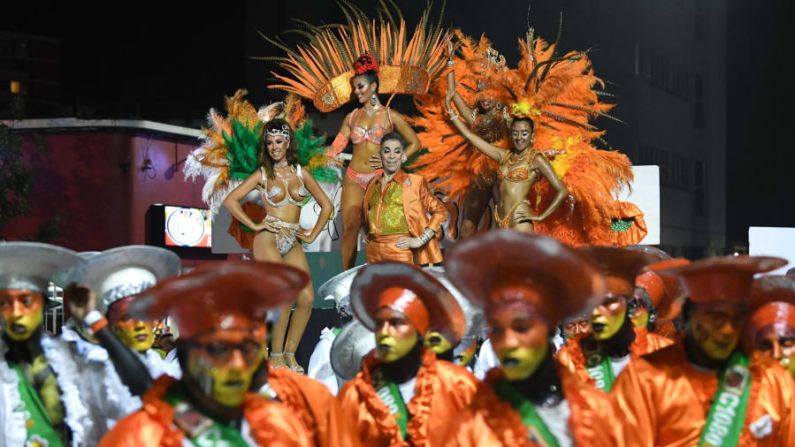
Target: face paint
{"type": "Point", "coordinates": [640, 317]}
{"type": "Point", "coordinates": [395, 336]}
{"type": "Point", "coordinates": [135, 334]}
{"type": "Point", "coordinates": [716, 328]}
{"type": "Point", "coordinates": [22, 312]}
{"type": "Point", "coordinates": [779, 344]}
{"type": "Point", "coordinates": [608, 317]}
{"type": "Point", "coordinates": [577, 328]}
{"type": "Point", "coordinates": [520, 339]}
{"type": "Point", "coordinates": [437, 342]}
{"type": "Point", "coordinates": [466, 356]}
{"type": "Point", "coordinates": [223, 363]}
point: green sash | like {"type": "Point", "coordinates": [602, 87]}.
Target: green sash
{"type": "Point", "coordinates": [727, 414]}
{"type": "Point", "coordinates": [600, 369]}
{"type": "Point", "coordinates": [389, 393]}
{"type": "Point", "coordinates": [212, 434]}
{"type": "Point", "coordinates": [535, 425]}
{"type": "Point", "coordinates": [39, 428]}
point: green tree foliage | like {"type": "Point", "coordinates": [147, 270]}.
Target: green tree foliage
{"type": "Point", "coordinates": [15, 178]}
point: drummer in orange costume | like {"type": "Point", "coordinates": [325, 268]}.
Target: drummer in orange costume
{"type": "Point", "coordinates": [704, 389]}
{"type": "Point", "coordinates": [403, 395]}
{"type": "Point", "coordinates": [601, 356]}
{"type": "Point", "coordinates": [220, 311]}
{"type": "Point", "coordinates": [528, 286]}
{"type": "Point", "coordinates": [772, 325]}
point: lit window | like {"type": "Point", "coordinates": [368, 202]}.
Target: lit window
{"type": "Point", "coordinates": [15, 87]}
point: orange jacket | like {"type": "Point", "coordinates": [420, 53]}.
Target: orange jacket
{"type": "Point", "coordinates": [570, 356]}
{"type": "Point", "coordinates": [664, 401]}
{"type": "Point", "coordinates": [315, 406]}
{"type": "Point", "coordinates": [442, 390]}
{"type": "Point", "coordinates": [418, 203]}
{"type": "Point", "coordinates": [491, 422]}
{"type": "Point", "coordinates": [270, 422]}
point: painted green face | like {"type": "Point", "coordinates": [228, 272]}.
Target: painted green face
{"type": "Point", "coordinates": [395, 336]}
{"type": "Point", "coordinates": [437, 342]}
{"type": "Point", "coordinates": [224, 363]}
{"type": "Point", "coordinates": [716, 328]}
{"type": "Point", "coordinates": [137, 335]}
{"type": "Point", "coordinates": [608, 317]}
{"type": "Point", "coordinates": [520, 339]}
{"type": "Point", "coordinates": [22, 312]}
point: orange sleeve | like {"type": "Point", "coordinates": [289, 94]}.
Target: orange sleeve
{"type": "Point", "coordinates": [134, 430]}
{"type": "Point", "coordinates": [470, 430]}
{"type": "Point", "coordinates": [433, 206]}
{"type": "Point", "coordinates": [631, 401]}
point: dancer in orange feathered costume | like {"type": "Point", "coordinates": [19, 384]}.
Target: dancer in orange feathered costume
{"type": "Point", "coordinates": [560, 96]}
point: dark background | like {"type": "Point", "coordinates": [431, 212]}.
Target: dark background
{"type": "Point", "coordinates": [172, 60]}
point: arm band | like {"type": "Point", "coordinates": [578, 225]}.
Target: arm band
{"type": "Point", "coordinates": [339, 145]}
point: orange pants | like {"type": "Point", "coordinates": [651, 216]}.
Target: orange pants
{"type": "Point", "coordinates": [383, 248]}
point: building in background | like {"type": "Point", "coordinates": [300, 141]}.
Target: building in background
{"type": "Point", "coordinates": [30, 77]}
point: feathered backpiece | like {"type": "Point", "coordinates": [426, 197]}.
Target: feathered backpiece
{"type": "Point", "coordinates": [450, 162]}
{"type": "Point", "coordinates": [322, 68]}
{"type": "Point", "coordinates": [231, 149]}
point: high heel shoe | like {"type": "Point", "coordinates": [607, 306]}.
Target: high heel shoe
{"type": "Point", "coordinates": [276, 360]}
{"type": "Point", "coordinates": [292, 363]}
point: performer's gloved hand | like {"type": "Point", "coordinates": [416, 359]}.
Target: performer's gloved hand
{"type": "Point", "coordinates": [409, 242]}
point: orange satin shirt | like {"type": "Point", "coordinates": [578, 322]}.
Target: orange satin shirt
{"type": "Point", "coordinates": [664, 401]}
{"type": "Point", "coordinates": [491, 422]}
{"type": "Point", "coordinates": [418, 203]}
{"type": "Point", "coordinates": [572, 358]}
{"type": "Point", "coordinates": [315, 406]}
{"type": "Point", "coordinates": [442, 390]}
{"type": "Point", "coordinates": [270, 423]}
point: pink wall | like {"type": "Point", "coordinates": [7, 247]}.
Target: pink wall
{"type": "Point", "coordinates": [93, 182]}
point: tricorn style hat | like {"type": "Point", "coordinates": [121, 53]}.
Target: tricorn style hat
{"type": "Point", "coordinates": [32, 265]}
{"type": "Point", "coordinates": [505, 266]}
{"type": "Point", "coordinates": [122, 272]}
{"type": "Point", "coordinates": [726, 278]}
{"type": "Point", "coordinates": [619, 266]}
{"type": "Point", "coordinates": [226, 296]}
{"type": "Point", "coordinates": [409, 290]}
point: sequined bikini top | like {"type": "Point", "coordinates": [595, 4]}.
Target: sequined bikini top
{"type": "Point", "coordinates": [270, 193]}
{"type": "Point", "coordinates": [373, 134]}
{"type": "Point", "coordinates": [517, 172]}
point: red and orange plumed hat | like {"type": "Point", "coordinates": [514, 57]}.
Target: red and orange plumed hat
{"type": "Point", "coordinates": [503, 267]}
{"type": "Point", "coordinates": [322, 68]}
{"type": "Point", "coordinates": [232, 295]}
{"type": "Point", "coordinates": [619, 266]}
{"type": "Point", "coordinates": [772, 303]}
{"type": "Point", "coordinates": [725, 278]}
{"type": "Point", "coordinates": [424, 300]}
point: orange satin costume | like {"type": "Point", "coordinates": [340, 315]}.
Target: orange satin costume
{"type": "Point", "coordinates": [664, 401]}
{"type": "Point", "coordinates": [271, 423]}
{"type": "Point", "coordinates": [491, 422]}
{"type": "Point", "coordinates": [315, 406]}
{"type": "Point", "coordinates": [570, 356]}
{"type": "Point", "coordinates": [418, 202]}
{"type": "Point", "coordinates": [442, 390]}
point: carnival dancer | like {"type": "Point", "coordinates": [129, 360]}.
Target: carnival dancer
{"type": "Point", "coordinates": [462, 173]}
{"type": "Point", "coordinates": [600, 357]}
{"type": "Point", "coordinates": [528, 286]}
{"type": "Point", "coordinates": [771, 328]}
{"type": "Point", "coordinates": [40, 400]}
{"type": "Point", "coordinates": [706, 389]}
{"type": "Point", "coordinates": [220, 312]}
{"type": "Point", "coordinates": [372, 56]}
{"type": "Point", "coordinates": [283, 186]}
{"type": "Point", "coordinates": [403, 394]}
{"type": "Point", "coordinates": [396, 209]}
{"type": "Point", "coordinates": [114, 277]}
{"type": "Point", "coordinates": [552, 179]}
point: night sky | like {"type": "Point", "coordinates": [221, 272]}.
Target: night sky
{"type": "Point", "coordinates": [172, 60]}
